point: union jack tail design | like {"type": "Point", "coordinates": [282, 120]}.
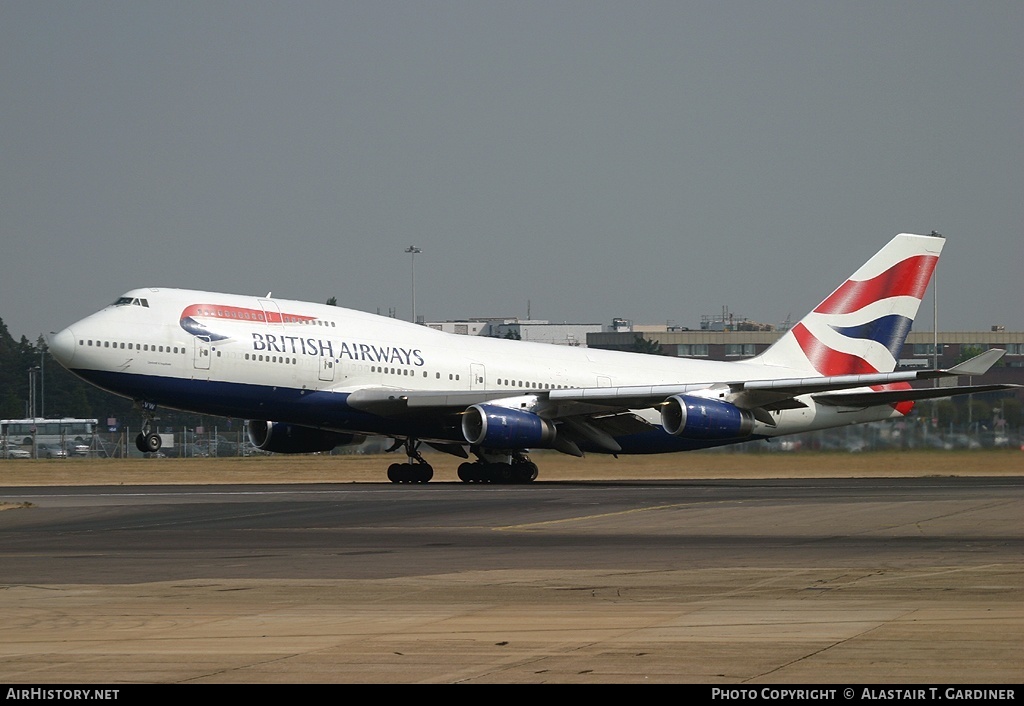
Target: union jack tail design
{"type": "Point", "coordinates": [862, 325]}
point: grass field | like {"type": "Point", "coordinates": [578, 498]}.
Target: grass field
{"type": "Point", "coordinates": [553, 466]}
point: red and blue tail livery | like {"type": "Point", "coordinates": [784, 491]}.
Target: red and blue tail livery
{"type": "Point", "coordinates": [308, 377]}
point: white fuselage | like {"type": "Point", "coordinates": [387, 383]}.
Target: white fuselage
{"type": "Point", "coordinates": [243, 356]}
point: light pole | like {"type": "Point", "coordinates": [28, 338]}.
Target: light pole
{"type": "Point", "coordinates": [42, 382]}
{"type": "Point", "coordinates": [412, 250]}
{"type": "Point", "coordinates": [32, 390]}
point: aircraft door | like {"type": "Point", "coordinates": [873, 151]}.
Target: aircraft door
{"type": "Point", "coordinates": [271, 311]}
{"type": "Point", "coordinates": [327, 366]}
{"type": "Point", "coordinates": [201, 354]}
{"type": "Point", "coordinates": [477, 376]}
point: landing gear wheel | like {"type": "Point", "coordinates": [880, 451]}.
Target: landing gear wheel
{"type": "Point", "coordinates": [148, 443]}
{"type": "Point", "coordinates": [524, 472]}
{"type": "Point", "coordinates": [410, 472]}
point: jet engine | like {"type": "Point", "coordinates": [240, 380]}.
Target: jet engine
{"type": "Point", "coordinates": [503, 428]}
{"type": "Point", "coordinates": [700, 418]}
{"type": "Point", "coordinates": [292, 439]}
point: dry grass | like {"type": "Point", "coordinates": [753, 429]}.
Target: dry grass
{"type": "Point", "coordinates": [553, 466]}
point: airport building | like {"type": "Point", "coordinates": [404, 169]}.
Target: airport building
{"type": "Point", "coordinates": [538, 331]}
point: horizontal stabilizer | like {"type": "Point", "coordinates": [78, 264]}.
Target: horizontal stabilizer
{"type": "Point", "coordinates": [979, 364]}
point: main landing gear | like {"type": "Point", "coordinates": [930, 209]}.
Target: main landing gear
{"type": "Point", "coordinates": [416, 470]}
{"type": "Point", "coordinates": [490, 466]}
{"type": "Point", "coordinates": [515, 467]}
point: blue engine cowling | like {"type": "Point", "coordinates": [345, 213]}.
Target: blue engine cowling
{"type": "Point", "coordinates": [291, 439]}
{"type": "Point", "coordinates": [700, 418]}
{"type": "Point", "coordinates": [503, 428]}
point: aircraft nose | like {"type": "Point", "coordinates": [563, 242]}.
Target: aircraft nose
{"type": "Point", "coordinates": [62, 346]}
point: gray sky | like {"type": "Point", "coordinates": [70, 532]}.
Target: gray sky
{"type": "Point", "coordinates": [650, 160]}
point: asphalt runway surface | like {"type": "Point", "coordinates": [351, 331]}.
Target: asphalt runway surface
{"type": "Point", "coordinates": [882, 580]}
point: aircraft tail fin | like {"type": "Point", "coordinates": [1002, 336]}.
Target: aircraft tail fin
{"type": "Point", "coordinates": [861, 327]}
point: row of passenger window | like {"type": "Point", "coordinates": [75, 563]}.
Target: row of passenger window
{"type": "Point", "coordinates": [246, 315]}
{"type": "Point", "coordinates": [504, 382]}
{"type": "Point", "coordinates": [132, 346]}
{"type": "Point", "coordinates": [531, 385]}
{"type": "Point", "coordinates": [407, 372]}
{"type": "Point", "coordinates": [271, 358]}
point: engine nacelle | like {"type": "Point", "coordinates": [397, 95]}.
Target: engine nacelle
{"type": "Point", "coordinates": [700, 418]}
{"type": "Point", "coordinates": [504, 428]}
{"type": "Point", "coordinates": [292, 439]}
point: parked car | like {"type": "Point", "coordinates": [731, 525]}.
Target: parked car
{"type": "Point", "coordinates": [17, 452]}
{"type": "Point", "coordinates": [77, 448]}
{"type": "Point", "coordinates": [50, 451]}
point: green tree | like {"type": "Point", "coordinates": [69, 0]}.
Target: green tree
{"type": "Point", "coordinates": [646, 345]}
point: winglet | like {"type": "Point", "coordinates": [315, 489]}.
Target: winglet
{"type": "Point", "coordinates": [979, 364]}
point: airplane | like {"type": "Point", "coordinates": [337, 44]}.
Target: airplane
{"type": "Point", "coordinates": [310, 377]}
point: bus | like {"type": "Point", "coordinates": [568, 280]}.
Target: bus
{"type": "Point", "coordinates": [59, 437]}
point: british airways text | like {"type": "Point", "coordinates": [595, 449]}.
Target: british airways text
{"type": "Point", "coordinates": [324, 347]}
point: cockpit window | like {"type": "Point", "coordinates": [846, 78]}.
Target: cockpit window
{"type": "Point", "coordinates": [129, 301]}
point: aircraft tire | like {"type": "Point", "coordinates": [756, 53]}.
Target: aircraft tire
{"type": "Point", "coordinates": [148, 443]}
{"type": "Point", "coordinates": [395, 473]}
{"type": "Point", "coordinates": [467, 472]}
{"type": "Point", "coordinates": [410, 472]}
{"type": "Point", "coordinates": [524, 472]}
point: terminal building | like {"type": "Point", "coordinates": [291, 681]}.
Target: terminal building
{"type": "Point", "coordinates": [536, 330]}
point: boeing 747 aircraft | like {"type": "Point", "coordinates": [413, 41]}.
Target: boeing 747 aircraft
{"type": "Point", "coordinates": [310, 377]}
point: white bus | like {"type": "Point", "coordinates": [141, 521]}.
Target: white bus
{"type": "Point", "coordinates": [44, 438]}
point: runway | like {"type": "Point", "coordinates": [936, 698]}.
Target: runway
{"type": "Point", "coordinates": [726, 581]}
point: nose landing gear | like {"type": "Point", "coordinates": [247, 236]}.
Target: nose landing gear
{"type": "Point", "coordinates": [148, 441]}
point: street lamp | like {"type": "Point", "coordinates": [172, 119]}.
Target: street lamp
{"type": "Point", "coordinates": [412, 250]}
{"type": "Point", "coordinates": [32, 390]}
{"type": "Point", "coordinates": [42, 381]}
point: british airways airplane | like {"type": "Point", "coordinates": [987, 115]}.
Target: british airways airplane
{"type": "Point", "coordinates": [310, 377]}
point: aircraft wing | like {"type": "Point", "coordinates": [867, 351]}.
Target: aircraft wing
{"type": "Point", "coordinates": [756, 395]}
{"type": "Point", "coordinates": [782, 393]}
